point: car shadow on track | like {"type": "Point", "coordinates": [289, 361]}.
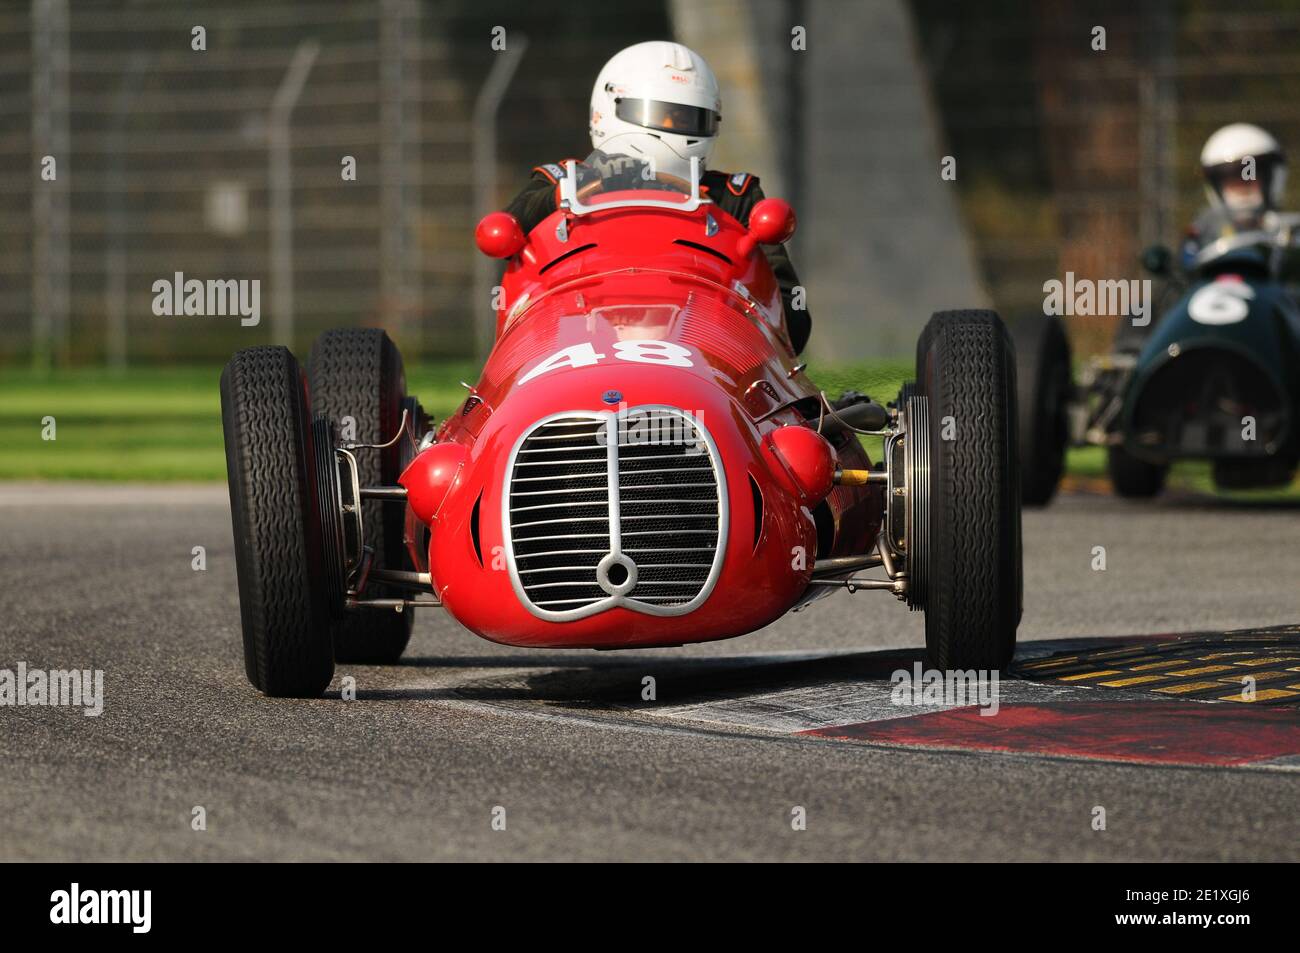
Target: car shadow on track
{"type": "Point", "coordinates": [570, 659]}
{"type": "Point", "coordinates": [1201, 666]}
{"type": "Point", "coordinates": [1281, 499]}
{"type": "Point", "coordinates": [621, 684]}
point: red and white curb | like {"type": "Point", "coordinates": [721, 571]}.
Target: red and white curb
{"type": "Point", "coordinates": [1039, 716]}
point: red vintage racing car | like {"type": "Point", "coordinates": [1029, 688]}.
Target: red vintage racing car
{"type": "Point", "coordinates": [643, 462]}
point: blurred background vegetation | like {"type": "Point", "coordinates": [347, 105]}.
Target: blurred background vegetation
{"type": "Point", "coordinates": [1069, 158]}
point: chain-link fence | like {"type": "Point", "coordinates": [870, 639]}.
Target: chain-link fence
{"type": "Point", "coordinates": [1074, 157]}
{"type": "Point", "coordinates": [229, 158]}
{"type": "Point", "coordinates": [176, 152]}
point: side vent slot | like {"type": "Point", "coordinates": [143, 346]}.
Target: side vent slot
{"type": "Point", "coordinates": [704, 248]}
{"type": "Point", "coordinates": [474, 531]}
{"type": "Point", "coordinates": [825, 522]}
{"type": "Point", "coordinates": [567, 255]}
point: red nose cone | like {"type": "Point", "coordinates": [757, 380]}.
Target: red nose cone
{"type": "Point", "coordinates": [430, 477]}
{"type": "Point", "coordinates": [806, 461]}
{"type": "Point", "coordinates": [499, 235]}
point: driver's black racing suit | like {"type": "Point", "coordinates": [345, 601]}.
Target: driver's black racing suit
{"type": "Point", "coordinates": [1209, 226]}
{"type": "Point", "coordinates": [735, 194]}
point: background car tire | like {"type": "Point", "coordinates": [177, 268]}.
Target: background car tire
{"type": "Point", "coordinates": [283, 603]}
{"type": "Point", "coordinates": [1044, 387]}
{"type": "Point", "coordinates": [1133, 478]}
{"type": "Point", "coordinates": [973, 604]}
{"type": "Point", "coordinates": [358, 373]}
{"type": "Point", "coordinates": [1230, 474]}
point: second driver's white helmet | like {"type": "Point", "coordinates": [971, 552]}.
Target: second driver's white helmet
{"type": "Point", "coordinates": [1238, 155]}
{"type": "Point", "coordinates": [657, 101]}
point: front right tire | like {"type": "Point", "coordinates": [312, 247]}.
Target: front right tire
{"type": "Point", "coordinates": [1132, 477]}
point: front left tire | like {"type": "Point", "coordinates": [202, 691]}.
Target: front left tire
{"type": "Point", "coordinates": [357, 376]}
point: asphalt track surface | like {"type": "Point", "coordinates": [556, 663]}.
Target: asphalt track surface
{"type": "Point", "coordinates": [414, 767]}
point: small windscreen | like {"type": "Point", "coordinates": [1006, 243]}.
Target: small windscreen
{"type": "Point", "coordinates": [604, 179]}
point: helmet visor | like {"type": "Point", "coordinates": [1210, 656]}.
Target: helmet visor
{"type": "Point", "coordinates": [1246, 185]}
{"type": "Point", "coordinates": [682, 120]}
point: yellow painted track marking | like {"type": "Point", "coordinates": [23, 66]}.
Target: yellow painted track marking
{"type": "Point", "coordinates": [1051, 663]}
{"type": "Point", "coordinates": [1111, 653]}
{"type": "Point", "coordinates": [1189, 687]}
{"type": "Point", "coordinates": [1135, 680]}
{"type": "Point", "coordinates": [1203, 670]}
{"type": "Point", "coordinates": [1167, 663]}
{"type": "Point", "coordinates": [1267, 694]}
{"type": "Point", "coordinates": [1257, 676]}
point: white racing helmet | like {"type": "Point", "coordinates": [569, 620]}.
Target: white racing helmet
{"type": "Point", "coordinates": [1244, 189]}
{"type": "Point", "coordinates": [657, 101]}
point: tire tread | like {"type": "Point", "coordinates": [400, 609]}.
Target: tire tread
{"type": "Point", "coordinates": [974, 603]}
{"type": "Point", "coordinates": [286, 632]}
{"type": "Point", "coordinates": [358, 372]}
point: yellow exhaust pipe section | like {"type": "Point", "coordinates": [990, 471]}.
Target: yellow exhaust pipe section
{"type": "Point", "coordinates": [860, 477]}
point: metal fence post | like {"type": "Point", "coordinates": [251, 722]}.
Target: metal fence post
{"type": "Point", "coordinates": [115, 245]}
{"type": "Point", "coordinates": [1157, 111]}
{"type": "Point", "coordinates": [399, 92]}
{"type": "Point", "coordinates": [50, 304]}
{"type": "Point", "coordinates": [280, 188]}
{"type": "Point", "coordinates": [486, 105]}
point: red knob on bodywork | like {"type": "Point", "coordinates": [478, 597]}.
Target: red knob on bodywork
{"type": "Point", "coordinates": [430, 476]}
{"type": "Point", "coordinates": [499, 235]}
{"type": "Point", "coordinates": [805, 461]}
{"type": "Point", "coordinates": [771, 222]}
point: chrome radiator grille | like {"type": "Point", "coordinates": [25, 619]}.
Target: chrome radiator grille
{"type": "Point", "coordinates": [594, 522]}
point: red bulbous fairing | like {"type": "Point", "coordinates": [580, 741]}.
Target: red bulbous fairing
{"type": "Point", "coordinates": [499, 235]}
{"type": "Point", "coordinates": [771, 222]}
{"type": "Point", "coordinates": [430, 476]}
{"type": "Point", "coordinates": [806, 459]}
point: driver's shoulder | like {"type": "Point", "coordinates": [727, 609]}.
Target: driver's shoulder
{"type": "Point", "coordinates": [552, 171]}
{"type": "Point", "coordinates": [736, 184]}
{"type": "Point", "coordinates": [733, 192]}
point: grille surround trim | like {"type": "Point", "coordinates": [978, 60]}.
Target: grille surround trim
{"type": "Point", "coordinates": [621, 596]}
